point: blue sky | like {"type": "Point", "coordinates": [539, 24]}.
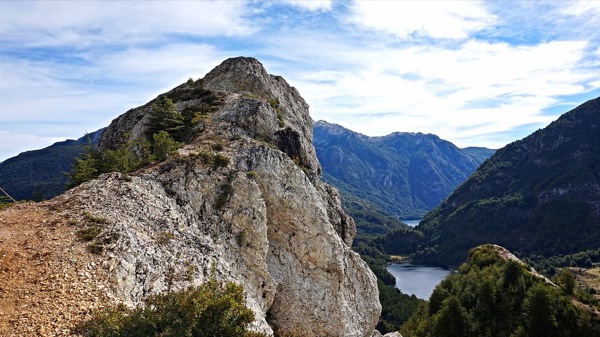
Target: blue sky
{"type": "Point", "coordinates": [475, 73]}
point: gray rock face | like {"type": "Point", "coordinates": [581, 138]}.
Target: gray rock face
{"type": "Point", "coordinates": [261, 218]}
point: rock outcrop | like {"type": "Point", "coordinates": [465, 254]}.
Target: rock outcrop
{"type": "Point", "coordinates": [243, 200]}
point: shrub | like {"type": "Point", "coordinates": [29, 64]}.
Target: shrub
{"type": "Point", "coordinates": [94, 219]}
{"type": "Point", "coordinates": [221, 161]}
{"type": "Point", "coordinates": [212, 309]}
{"type": "Point", "coordinates": [89, 233]}
{"type": "Point", "coordinates": [274, 103]}
{"type": "Point", "coordinates": [164, 238]}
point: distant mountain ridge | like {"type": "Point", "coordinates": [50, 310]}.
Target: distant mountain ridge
{"type": "Point", "coordinates": [539, 196]}
{"type": "Point", "coordinates": [404, 174]}
{"type": "Point", "coordinates": [40, 174]}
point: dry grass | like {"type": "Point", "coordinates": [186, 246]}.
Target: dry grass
{"type": "Point", "coordinates": [589, 278]}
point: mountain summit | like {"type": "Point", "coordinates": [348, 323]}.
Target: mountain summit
{"type": "Point", "coordinates": [241, 199]}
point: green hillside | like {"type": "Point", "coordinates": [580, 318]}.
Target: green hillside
{"type": "Point", "coordinates": [493, 295]}
{"type": "Point", "coordinates": [404, 174]}
{"type": "Point", "coordinates": [40, 174]}
{"type": "Point", "coordinates": [538, 197]}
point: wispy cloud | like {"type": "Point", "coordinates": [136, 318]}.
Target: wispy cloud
{"type": "Point", "coordinates": [311, 5]}
{"type": "Point", "coordinates": [92, 23]}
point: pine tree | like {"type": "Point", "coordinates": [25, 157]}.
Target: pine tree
{"type": "Point", "coordinates": [164, 116]}
{"type": "Point", "coordinates": [541, 319]}
{"type": "Point", "coordinates": [452, 320]}
{"type": "Point", "coordinates": [163, 145]}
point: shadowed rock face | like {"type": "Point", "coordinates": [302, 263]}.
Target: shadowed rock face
{"type": "Point", "coordinates": [260, 218]}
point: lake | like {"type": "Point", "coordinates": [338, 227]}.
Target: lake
{"type": "Point", "coordinates": [417, 279]}
{"type": "Point", "coordinates": [411, 223]}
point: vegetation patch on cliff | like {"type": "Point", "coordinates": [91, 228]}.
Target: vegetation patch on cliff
{"type": "Point", "coordinates": [212, 309]}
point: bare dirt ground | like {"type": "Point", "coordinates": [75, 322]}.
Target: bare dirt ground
{"type": "Point", "coordinates": [48, 279]}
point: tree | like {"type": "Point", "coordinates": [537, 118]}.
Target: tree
{"type": "Point", "coordinates": [541, 319]}
{"type": "Point", "coordinates": [163, 145]}
{"type": "Point", "coordinates": [436, 299]}
{"type": "Point", "coordinates": [86, 167]}
{"type": "Point", "coordinates": [164, 116]}
{"type": "Point", "coordinates": [452, 319]}
{"type": "Point", "coordinates": [566, 280]}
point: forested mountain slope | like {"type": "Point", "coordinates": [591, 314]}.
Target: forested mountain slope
{"type": "Point", "coordinates": [404, 174]}
{"type": "Point", "coordinates": [41, 174]}
{"type": "Point", "coordinates": [539, 196]}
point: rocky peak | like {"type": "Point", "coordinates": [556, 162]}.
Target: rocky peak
{"type": "Point", "coordinates": [251, 102]}
{"type": "Point", "coordinates": [259, 214]}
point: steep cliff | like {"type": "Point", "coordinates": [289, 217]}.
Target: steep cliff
{"type": "Point", "coordinates": [242, 197]}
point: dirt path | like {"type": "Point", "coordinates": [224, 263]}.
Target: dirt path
{"type": "Point", "coordinates": [48, 279]}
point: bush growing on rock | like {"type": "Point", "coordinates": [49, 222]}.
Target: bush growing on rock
{"type": "Point", "coordinates": [212, 309]}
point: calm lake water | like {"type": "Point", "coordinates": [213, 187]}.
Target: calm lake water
{"type": "Point", "coordinates": [416, 279]}
{"type": "Point", "coordinates": [411, 223]}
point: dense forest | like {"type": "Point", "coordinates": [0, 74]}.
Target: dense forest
{"type": "Point", "coordinates": [494, 295]}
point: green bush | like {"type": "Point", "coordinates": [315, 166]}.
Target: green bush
{"type": "Point", "coordinates": [212, 309]}
{"type": "Point", "coordinates": [86, 167]}
{"type": "Point", "coordinates": [128, 157]}
{"type": "Point", "coordinates": [89, 233]}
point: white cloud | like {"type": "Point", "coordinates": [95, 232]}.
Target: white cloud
{"type": "Point", "coordinates": [577, 8]}
{"type": "Point", "coordinates": [56, 98]}
{"type": "Point", "coordinates": [84, 23]}
{"type": "Point", "coordinates": [437, 19]}
{"type": "Point", "coordinates": [311, 5]}
{"type": "Point", "coordinates": [111, 56]}
{"type": "Point", "coordinates": [11, 144]}
{"type": "Point", "coordinates": [462, 94]}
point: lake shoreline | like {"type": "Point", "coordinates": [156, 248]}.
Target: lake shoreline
{"type": "Point", "coordinates": [417, 279]}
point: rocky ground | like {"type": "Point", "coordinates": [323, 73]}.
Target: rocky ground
{"type": "Point", "coordinates": [48, 279]}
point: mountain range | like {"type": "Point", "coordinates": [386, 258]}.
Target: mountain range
{"type": "Point", "coordinates": [402, 175]}
{"type": "Point", "coordinates": [538, 197]}
{"type": "Point", "coordinates": [42, 174]}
